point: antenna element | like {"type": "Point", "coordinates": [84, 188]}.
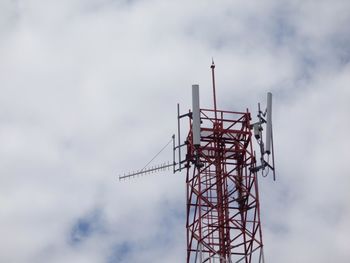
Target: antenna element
{"type": "Point", "coordinates": [196, 122]}
{"type": "Point", "coordinates": [268, 123]}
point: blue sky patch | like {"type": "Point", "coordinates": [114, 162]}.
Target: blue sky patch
{"type": "Point", "coordinates": [85, 227]}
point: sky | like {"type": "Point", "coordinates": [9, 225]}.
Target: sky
{"type": "Point", "coordinates": [88, 91]}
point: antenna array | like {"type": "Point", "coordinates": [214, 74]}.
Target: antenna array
{"type": "Point", "coordinates": [266, 148]}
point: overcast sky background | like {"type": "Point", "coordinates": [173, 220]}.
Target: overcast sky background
{"type": "Point", "coordinates": [88, 90]}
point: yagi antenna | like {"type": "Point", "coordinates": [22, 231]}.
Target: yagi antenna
{"type": "Point", "coordinates": [152, 169]}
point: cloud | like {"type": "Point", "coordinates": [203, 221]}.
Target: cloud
{"type": "Point", "coordinates": [89, 90]}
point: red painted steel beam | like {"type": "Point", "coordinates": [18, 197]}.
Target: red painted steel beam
{"type": "Point", "coordinates": [223, 214]}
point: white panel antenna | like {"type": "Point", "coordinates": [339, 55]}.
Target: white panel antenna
{"type": "Point", "coordinates": [196, 122]}
{"type": "Point", "coordinates": [268, 123]}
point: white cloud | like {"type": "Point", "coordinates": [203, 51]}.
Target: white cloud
{"type": "Point", "coordinates": [89, 90]}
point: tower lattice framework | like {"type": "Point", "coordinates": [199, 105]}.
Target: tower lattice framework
{"type": "Point", "coordinates": [223, 216]}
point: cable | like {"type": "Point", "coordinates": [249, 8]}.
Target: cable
{"type": "Point", "coordinates": [157, 154]}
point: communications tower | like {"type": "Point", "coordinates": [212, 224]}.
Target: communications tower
{"type": "Point", "coordinates": [222, 205]}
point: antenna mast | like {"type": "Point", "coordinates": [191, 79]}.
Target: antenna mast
{"type": "Point", "coordinates": [213, 81]}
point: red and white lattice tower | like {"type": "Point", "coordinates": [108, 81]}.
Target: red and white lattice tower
{"type": "Point", "coordinates": [223, 211]}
